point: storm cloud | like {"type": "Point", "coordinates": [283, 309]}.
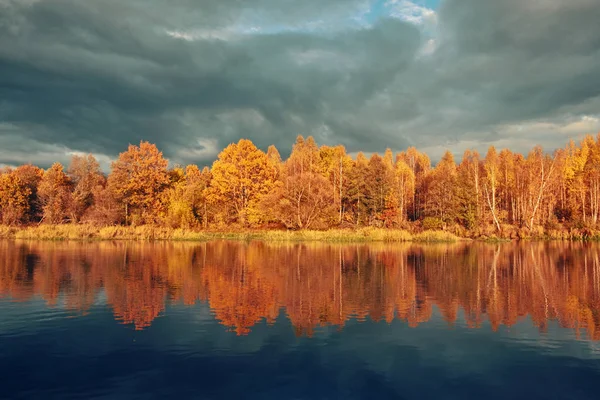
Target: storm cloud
{"type": "Point", "coordinates": [194, 76]}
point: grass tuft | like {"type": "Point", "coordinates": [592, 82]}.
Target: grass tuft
{"type": "Point", "coordinates": [435, 236]}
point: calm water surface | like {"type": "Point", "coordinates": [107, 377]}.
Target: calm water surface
{"type": "Point", "coordinates": [254, 320]}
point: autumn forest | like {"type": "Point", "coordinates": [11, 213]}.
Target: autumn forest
{"type": "Point", "coordinates": [499, 194]}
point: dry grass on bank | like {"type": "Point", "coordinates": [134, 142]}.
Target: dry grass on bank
{"type": "Point", "coordinates": [381, 235]}
{"type": "Point", "coordinates": [336, 235]}
{"type": "Point", "coordinates": [435, 236]}
{"type": "Point", "coordinates": [90, 232]}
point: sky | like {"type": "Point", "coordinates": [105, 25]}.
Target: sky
{"type": "Point", "coordinates": [193, 76]}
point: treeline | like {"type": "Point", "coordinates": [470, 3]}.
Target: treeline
{"type": "Point", "coordinates": [502, 193]}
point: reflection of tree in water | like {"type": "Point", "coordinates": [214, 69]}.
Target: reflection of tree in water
{"type": "Point", "coordinates": [136, 289]}
{"type": "Point", "coordinates": [236, 288]}
{"type": "Point", "coordinates": [315, 284]}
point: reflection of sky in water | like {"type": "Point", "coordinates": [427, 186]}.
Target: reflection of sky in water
{"type": "Point", "coordinates": [187, 350]}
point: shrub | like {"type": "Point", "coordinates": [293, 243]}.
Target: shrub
{"type": "Point", "coordinates": [432, 223]}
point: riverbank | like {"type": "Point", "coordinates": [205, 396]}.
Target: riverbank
{"type": "Point", "coordinates": [90, 232]}
{"type": "Point", "coordinates": [147, 232]}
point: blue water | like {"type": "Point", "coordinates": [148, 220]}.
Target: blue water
{"type": "Point", "coordinates": [53, 350]}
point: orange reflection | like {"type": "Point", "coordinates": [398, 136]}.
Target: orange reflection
{"type": "Point", "coordinates": [316, 284]}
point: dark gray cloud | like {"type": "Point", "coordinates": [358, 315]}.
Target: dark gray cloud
{"type": "Point", "coordinates": [193, 76]}
{"type": "Point", "coordinates": [528, 59]}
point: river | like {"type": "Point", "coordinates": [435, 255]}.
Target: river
{"type": "Point", "coordinates": [229, 319]}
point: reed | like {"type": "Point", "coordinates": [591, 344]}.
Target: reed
{"type": "Point", "coordinates": [146, 232]}
{"type": "Point", "coordinates": [90, 232]}
{"type": "Point", "coordinates": [337, 235]}
{"type": "Point", "coordinates": [435, 236]}
{"type": "Point", "coordinates": [7, 231]}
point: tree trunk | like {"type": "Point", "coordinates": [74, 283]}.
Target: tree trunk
{"type": "Point", "coordinates": [492, 208]}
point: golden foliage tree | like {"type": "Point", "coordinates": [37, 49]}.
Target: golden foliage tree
{"type": "Point", "coordinates": [541, 168]}
{"type": "Point", "coordinates": [572, 178]}
{"type": "Point", "coordinates": [441, 196]}
{"type": "Point", "coordinates": [85, 174]}
{"type": "Point", "coordinates": [14, 199]}
{"type": "Point", "coordinates": [420, 164]}
{"type": "Point", "coordinates": [592, 178]}
{"type": "Point", "coordinates": [138, 179]}
{"type": "Point", "coordinates": [403, 188]}
{"type": "Point", "coordinates": [55, 195]}
{"type": "Point", "coordinates": [468, 190]}
{"type": "Point", "coordinates": [334, 164]}
{"type": "Point", "coordinates": [304, 197]}
{"type": "Point", "coordinates": [30, 176]}
{"type": "Point", "coordinates": [241, 177]}
{"type": "Point", "coordinates": [491, 182]}
{"type": "Point", "coordinates": [380, 177]}
{"type": "Point", "coordinates": [187, 197]}
{"type": "Point", "coordinates": [356, 190]}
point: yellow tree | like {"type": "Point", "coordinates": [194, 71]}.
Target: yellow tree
{"type": "Point", "coordinates": [334, 165]}
{"type": "Point", "coordinates": [54, 193]}
{"type": "Point", "coordinates": [241, 177]}
{"type": "Point", "coordinates": [197, 184]}
{"type": "Point", "coordinates": [179, 209]}
{"type": "Point", "coordinates": [541, 167]}
{"type": "Point", "coordinates": [187, 197]}
{"type": "Point", "coordinates": [107, 209]}
{"type": "Point", "coordinates": [138, 179]}
{"type": "Point", "coordinates": [420, 164]}
{"type": "Point", "coordinates": [592, 177]}
{"type": "Point", "coordinates": [506, 183]}
{"type": "Point", "coordinates": [490, 184]}
{"type": "Point", "coordinates": [355, 190]}
{"type": "Point", "coordinates": [403, 189]}
{"type": "Point", "coordinates": [275, 161]}
{"type": "Point", "coordinates": [30, 176]}
{"type": "Point", "coordinates": [14, 199]}
{"type": "Point", "coordinates": [469, 189]}
{"type": "Point", "coordinates": [85, 174]}
{"type": "Point", "coordinates": [441, 196]}
{"type": "Point", "coordinates": [305, 197]}
{"type": "Point", "coordinates": [574, 177]}
{"type": "Point", "coordinates": [521, 189]}
{"type": "Point", "coordinates": [561, 211]}
{"type": "Point", "coordinates": [380, 178]}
